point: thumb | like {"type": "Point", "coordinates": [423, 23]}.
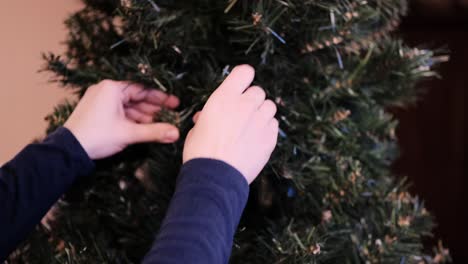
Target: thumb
{"type": "Point", "coordinates": [196, 116]}
{"type": "Point", "coordinates": [154, 132]}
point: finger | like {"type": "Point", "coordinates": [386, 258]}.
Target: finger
{"type": "Point", "coordinates": [256, 95]}
{"type": "Point", "coordinates": [161, 98]}
{"type": "Point", "coordinates": [155, 132]}
{"type": "Point", "coordinates": [133, 92]}
{"type": "Point", "coordinates": [196, 116]}
{"type": "Point", "coordinates": [146, 108]}
{"type": "Point", "coordinates": [274, 126]}
{"type": "Point", "coordinates": [137, 116]}
{"type": "Point", "coordinates": [240, 79]}
{"type": "Point", "coordinates": [172, 102]}
{"type": "Point", "coordinates": [267, 110]}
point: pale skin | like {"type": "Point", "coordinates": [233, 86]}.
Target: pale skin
{"type": "Point", "coordinates": [236, 125]}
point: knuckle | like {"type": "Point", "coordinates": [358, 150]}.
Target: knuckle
{"type": "Point", "coordinates": [94, 87]}
{"type": "Point", "coordinates": [256, 92]}
{"type": "Point", "coordinates": [260, 92]}
{"type": "Point", "coordinates": [159, 133]}
{"type": "Point", "coordinates": [91, 88]}
{"type": "Point", "coordinates": [106, 82]}
{"type": "Point", "coordinates": [248, 69]}
{"type": "Point", "coordinates": [270, 106]}
{"type": "Point", "coordinates": [275, 132]}
{"type": "Point", "coordinates": [146, 119]}
{"type": "Point", "coordinates": [275, 124]}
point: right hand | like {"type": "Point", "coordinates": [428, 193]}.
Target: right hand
{"type": "Point", "coordinates": [112, 115]}
{"type": "Point", "coordinates": [236, 125]}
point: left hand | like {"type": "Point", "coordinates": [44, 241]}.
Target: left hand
{"type": "Point", "coordinates": [112, 115]}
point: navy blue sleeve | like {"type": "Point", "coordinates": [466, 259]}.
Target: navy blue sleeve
{"type": "Point", "coordinates": [203, 215]}
{"type": "Point", "coordinates": [34, 180]}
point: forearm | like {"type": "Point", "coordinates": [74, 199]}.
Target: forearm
{"type": "Point", "coordinates": [204, 213]}
{"type": "Point", "coordinates": [33, 181]}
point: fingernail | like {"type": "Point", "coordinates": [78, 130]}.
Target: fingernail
{"type": "Point", "coordinates": [171, 134]}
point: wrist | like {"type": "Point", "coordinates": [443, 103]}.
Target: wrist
{"type": "Point", "coordinates": [65, 138]}
{"type": "Point", "coordinates": [79, 138]}
{"type": "Point", "coordinates": [206, 167]}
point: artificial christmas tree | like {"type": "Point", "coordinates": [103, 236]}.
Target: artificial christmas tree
{"type": "Point", "coordinates": [327, 194]}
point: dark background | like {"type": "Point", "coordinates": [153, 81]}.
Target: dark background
{"type": "Point", "coordinates": [432, 133]}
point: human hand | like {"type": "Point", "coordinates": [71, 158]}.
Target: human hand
{"type": "Point", "coordinates": [112, 115]}
{"type": "Point", "coordinates": [234, 126]}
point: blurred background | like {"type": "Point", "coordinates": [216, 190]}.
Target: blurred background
{"type": "Point", "coordinates": [28, 28]}
{"type": "Point", "coordinates": [432, 133]}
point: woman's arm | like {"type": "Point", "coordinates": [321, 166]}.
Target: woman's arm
{"type": "Point", "coordinates": [232, 140]}
{"type": "Point", "coordinates": [34, 180]}
{"type": "Point", "coordinates": [203, 215]}
{"type": "Point", "coordinates": [110, 116]}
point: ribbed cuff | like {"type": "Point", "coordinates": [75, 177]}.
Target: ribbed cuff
{"type": "Point", "coordinates": [64, 138]}
{"type": "Point", "coordinates": [216, 171]}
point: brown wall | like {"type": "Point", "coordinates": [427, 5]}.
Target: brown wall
{"type": "Point", "coordinates": [27, 28]}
